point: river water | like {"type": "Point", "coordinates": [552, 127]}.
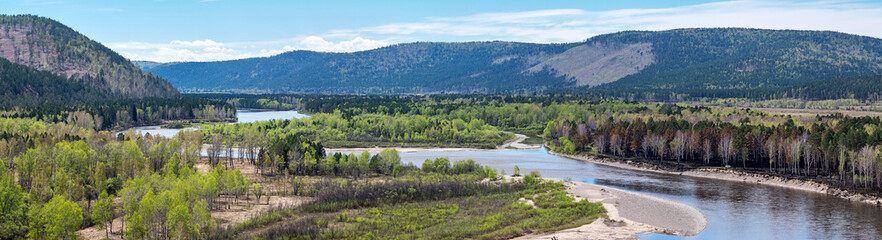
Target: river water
{"type": "Point", "coordinates": [734, 210]}
{"type": "Point", "coordinates": [243, 116]}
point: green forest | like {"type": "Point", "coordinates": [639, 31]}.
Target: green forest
{"type": "Point", "coordinates": [123, 114]}
{"type": "Point", "coordinates": [59, 178]}
{"type": "Point", "coordinates": [370, 130]}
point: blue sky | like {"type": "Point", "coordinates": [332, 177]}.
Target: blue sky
{"type": "Point", "coordinates": [210, 30]}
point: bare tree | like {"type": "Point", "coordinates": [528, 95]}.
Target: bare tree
{"type": "Point", "coordinates": [615, 144]}
{"type": "Point", "coordinates": [678, 145]}
{"type": "Point", "coordinates": [708, 152]}
{"type": "Point", "coordinates": [725, 148]}
{"type": "Point", "coordinates": [600, 143]}
{"type": "Point", "coordinates": [215, 147]}
{"type": "Point", "coordinates": [658, 144]}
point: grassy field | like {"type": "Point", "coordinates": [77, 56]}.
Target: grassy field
{"type": "Point", "coordinates": [463, 209]}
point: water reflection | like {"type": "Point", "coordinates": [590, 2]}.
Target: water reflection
{"type": "Point", "coordinates": [734, 210]}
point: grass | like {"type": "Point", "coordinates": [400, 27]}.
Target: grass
{"type": "Point", "coordinates": [533, 140]}
{"type": "Point", "coordinates": [479, 214]}
{"type": "Point", "coordinates": [177, 125]}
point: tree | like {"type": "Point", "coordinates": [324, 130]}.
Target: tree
{"type": "Point", "coordinates": [364, 162]}
{"type": "Point", "coordinates": [725, 148]}
{"type": "Point", "coordinates": [13, 208]}
{"type": "Point", "coordinates": [214, 148]}
{"type": "Point", "coordinates": [57, 219]}
{"type": "Point", "coordinates": [102, 212]}
{"type": "Point", "coordinates": [136, 228]}
{"type": "Point", "coordinates": [678, 146]}
{"type": "Point", "coordinates": [178, 222]}
{"type": "Point", "coordinates": [257, 190]}
{"type": "Point", "coordinates": [99, 179]}
{"type": "Point", "coordinates": [389, 160]}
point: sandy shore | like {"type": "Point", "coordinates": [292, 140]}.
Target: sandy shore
{"type": "Point", "coordinates": [629, 214]}
{"type": "Point", "coordinates": [513, 143]}
{"type": "Point", "coordinates": [737, 176]}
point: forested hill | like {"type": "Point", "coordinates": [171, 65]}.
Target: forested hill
{"type": "Point", "coordinates": [725, 62]}
{"type": "Point", "coordinates": [21, 85]}
{"type": "Point", "coordinates": [48, 45]}
{"type": "Point", "coordinates": [405, 68]}
{"type": "Point", "coordinates": [865, 88]}
{"type": "Point", "coordinates": [646, 63]}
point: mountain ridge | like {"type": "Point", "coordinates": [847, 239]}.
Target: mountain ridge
{"type": "Point", "coordinates": [45, 44]}
{"type": "Point", "coordinates": [629, 64]}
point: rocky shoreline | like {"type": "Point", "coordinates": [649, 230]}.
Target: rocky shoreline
{"type": "Point", "coordinates": [734, 175]}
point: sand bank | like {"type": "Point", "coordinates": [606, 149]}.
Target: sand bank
{"type": "Point", "coordinates": [629, 214]}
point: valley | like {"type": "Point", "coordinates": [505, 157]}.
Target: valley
{"type": "Point", "coordinates": [492, 128]}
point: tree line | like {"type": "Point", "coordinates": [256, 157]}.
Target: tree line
{"type": "Point", "coordinates": [844, 148]}
{"type": "Point", "coordinates": [369, 130]}
{"type": "Point", "coordinates": [121, 114]}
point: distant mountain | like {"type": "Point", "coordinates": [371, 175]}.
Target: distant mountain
{"type": "Point", "coordinates": [632, 64]}
{"type": "Point", "coordinates": [47, 45]}
{"type": "Point", "coordinates": [727, 62]}
{"type": "Point", "coordinates": [405, 68]}
{"type": "Point", "coordinates": [146, 65]}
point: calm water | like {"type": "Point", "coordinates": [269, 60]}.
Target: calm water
{"type": "Point", "coordinates": [734, 210]}
{"type": "Point", "coordinates": [247, 116]}
{"type": "Point", "coordinates": [244, 116]}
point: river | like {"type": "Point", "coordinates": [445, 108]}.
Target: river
{"type": "Point", "coordinates": [243, 116]}
{"type": "Point", "coordinates": [734, 210]}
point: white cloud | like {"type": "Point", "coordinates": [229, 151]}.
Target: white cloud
{"type": "Point", "coordinates": [316, 43]}
{"type": "Point", "coordinates": [568, 25]}
{"type": "Point", "coordinates": [197, 43]}
{"type": "Point", "coordinates": [543, 26]}
{"type": "Point", "coordinates": [210, 50]}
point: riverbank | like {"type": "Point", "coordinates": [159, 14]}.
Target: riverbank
{"type": "Point", "coordinates": [515, 143]}
{"type": "Point", "coordinates": [736, 176]}
{"type": "Point", "coordinates": [629, 214]}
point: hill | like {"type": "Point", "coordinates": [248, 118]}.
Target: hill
{"type": "Point", "coordinates": [864, 88]}
{"type": "Point", "coordinates": [735, 62]}
{"type": "Point", "coordinates": [47, 45]}
{"type": "Point", "coordinates": [21, 85]}
{"type": "Point", "coordinates": [632, 64]}
{"type": "Point", "coordinates": [405, 68]}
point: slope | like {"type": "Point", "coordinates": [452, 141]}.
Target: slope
{"type": "Point", "coordinates": [405, 68]}
{"type": "Point", "coordinates": [728, 61]}
{"type": "Point", "coordinates": [21, 85]}
{"type": "Point", "coordinates": [48, 45]}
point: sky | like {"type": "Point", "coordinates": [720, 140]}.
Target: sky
{"type": "Point", "coordinates": [215, 30]}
